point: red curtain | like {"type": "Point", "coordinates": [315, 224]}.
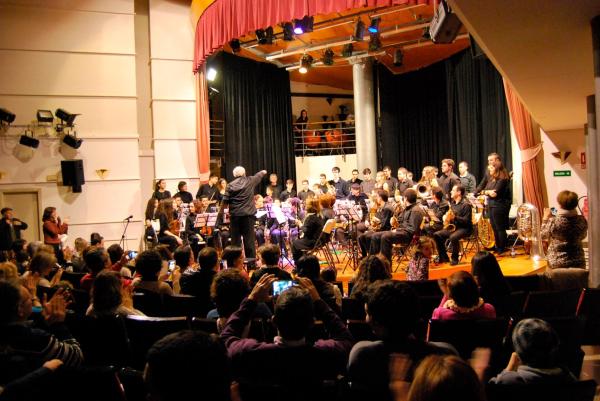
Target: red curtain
{"type": "Point", "coordinates": [202, 125]}
{"type": "Point", "coordinates": [224, 20]}
{"type": "Point", "coordinates": [521, 120]}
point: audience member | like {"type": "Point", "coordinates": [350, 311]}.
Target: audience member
{"type": "Point", "coordinates": [308, 266]}
{"type": "Point", "coordinates": [534, 361]}
{"type": "Point", "coordinates": [96, 240]}
{"type": "Point", "coordinates": [28, 347]}
{"type": "Point", "coordinates": [445, 378]}
{"type": "Point", "coordinates": [148, 265]}
{"type": "Point", "coordinates": [184, 261]}
{"type": "Point", "coordinates": [96, 260]}
{"type": "Point", "coordinates": [370, 269]}
{"type": "Point", "coordinates": [109, 297]}
{"type": "Point", "coordinates": [418, 267]}
{"type": "Point", "coordinates": [290, 359]}
{"type": "Point", "coordinates": [19, 255]}
{"type": "Point", "coordinates": [234, 257]}
{"type": "Point", "coordinates": [565, 233]}
{"type": "Point", "coordinates": [188, 365]}
{"type": "Point", "coordinates": [197, 282]}
{"type": "Point", "coordinates": [329, 275]}
{"type": "Point", "coordinates": [269, 256]}
{"type": "Point", "coordinates": [118, 260]}
{"type": "Point", "coordinates": [392, 312]}
{"type": "Point", "coordinates": [9, 272]}
{"type": "Point", "coordinates": [461, 300]}
{"type": "Point", "coordinates": [493, 287]}
{"type": "Point", "coordinates": [40, 267]}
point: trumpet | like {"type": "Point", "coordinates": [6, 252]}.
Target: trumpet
{"type": "Point", "coordinates": [448, 218]}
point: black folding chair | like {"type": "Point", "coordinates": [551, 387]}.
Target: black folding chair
{"type": "Point", "coordinates": [543, 304]}
{"type": "Point", "coordinates": [353, 309]}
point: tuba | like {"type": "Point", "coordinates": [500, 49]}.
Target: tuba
{"type": "Point", "coordinates": [529, 230]}
{"type": "Point", "coordinates": [485, 232]}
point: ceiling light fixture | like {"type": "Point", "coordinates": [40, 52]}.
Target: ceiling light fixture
{"type": "Point", "coordinates": [211, 74]}
{"type": "Point", "coordinates": [303, 25]}
{"type": "Point", "coordinates": [67, 118]}
{"type": "Point", "coordinates": [328, 57]}
{"type": "Point", "coordinates": [6, 116]}
{"type": "Point", "coordinates": [269, 36]}
{"type": "Point", "coordinates": [235, 45]}
{"type": "Point", "coordinates": [45, 116]}
{"type": "Point", "coordinates": [72, 140]}
{"type": "Point", "coordinates": [374, 27]}
{"type": "Point", "coordinates": [29, 141]}
{"type": "Point", "coordinates": [398, 58]}
{"type": "Point", "coordinates": [347, 50]}
{"type": "Point", "coordinates": [305, 63]}
{"type": "Point", "coordinates": [375, 42]}
{"type": "Point", "coordinates": [359, 30]}
{"type": "Point", "coordinates": [261, 37]}
{"type": "Point", "coordinates": [288, 31]}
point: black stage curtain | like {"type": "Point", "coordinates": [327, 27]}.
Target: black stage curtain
{"type": "Point", "coordinates": [453, 109]}
{"type": "Point", "coordinates": [257, 111]}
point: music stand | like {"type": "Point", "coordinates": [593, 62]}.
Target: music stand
{"type": "Point", "coordinates": [352, 212]}
{"type": "Point", "coordinates": [275, 212]}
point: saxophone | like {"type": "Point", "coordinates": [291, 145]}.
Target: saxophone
{"type": "Point", "coordinates": [447, 219]}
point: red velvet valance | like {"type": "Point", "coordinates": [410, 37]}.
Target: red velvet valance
{"type": "Point", "coordinates": [224, 20]}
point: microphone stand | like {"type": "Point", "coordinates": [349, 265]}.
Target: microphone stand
{"type": "Point", "coordinates": [123, 241]}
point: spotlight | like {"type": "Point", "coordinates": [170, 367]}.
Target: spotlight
{"type": "Point", "coordinates": [269, 35]}
{"type": "Point", "coordinates": [211, 74]}
{"type": "Point", "coordinates": [305, 63]}
{"type": "Point", "coordinates": [235, 45]}
{"type": "Point", "coordinates": [29, 141]}
{"type": "Point", "coordinates": [288, 31]}
{"type": "Point", "coordinates": [375, 42]}
{"type": "Point", "coordinates": [72, 141]}
{"type": "Point", "coordinates": [359, 30]}
{"type": "Point", "coordinates": [426, 34]}
{"type": "Point", "coordinates": [45, 116]}
{"type": "Point", "coordinates": [6, 116]}
{"type": "Point", "coordinates": [347, 50]}
{"type": "Point", "coordinates": [298, 27]}
{"type": "Point", "coordinates": [261, 37]}
{"type": "Point", "coordinates": [374, 27]}
{"type": "Point", "coordinates": [66, 117]}
{"type": "Point", "coordinates": [398, 58]}
{"type": "Point", "coordinates": [328, 57]}
{"type": "Point", "coordinates": [303, 25]}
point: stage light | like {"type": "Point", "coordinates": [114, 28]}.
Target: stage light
{"type": "Point", "coordinates": [426, 34]}
{"type": "Point", "coordinates": [235, 45]}
{"type": "Point", "coordinates": [347, 50]}
{"type": "Point", "coordinates": [66, 117]}
{"type": "Point", "coordinates": [374, 27]}
{"type": "Point", "coordinates": [298, 27]}
{"type": "Point", "coordinates": [269, 36]}
{"type": "Point", "coordinates": [374, 43]}
{"type": "Point", "coordinates": [261, 37]}
{"type": "Point", "coordinates": [211, 74]}
{"type": "Point", "coordinates": [303, 25]}
{"type": "Point", "coordinates": [44, 116]}
{"type": "Point", "coordinates": [288, 31]}
{"type": "Point", "coordinates": [359, 30]}
{"type": "Point", "coordinates": [305, 63]}
{"type": "Point", "coordinates": [328, 57]}
{"type": "Point", "coordinates": [72, 141]}
{"type": "Point", "coordinates": [29, 141]}
{"type": "Point", "coordinates": [398, 58]}
{"type": "Point", "coordinates": [6, 116]}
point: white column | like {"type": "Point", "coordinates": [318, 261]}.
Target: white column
{"type": "Point", "coordinates": [364, 115]}
{"type": "Point", "coordinates": [593, 164]}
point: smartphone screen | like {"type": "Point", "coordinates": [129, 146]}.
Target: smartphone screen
{"type": "Point", "coordinates": [280, 286]}
{"type": "Point", "coordinates": [132, 255]}
{"type": "Point", "coordinates": [171, 265]}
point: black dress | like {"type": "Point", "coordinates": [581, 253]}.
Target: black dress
{"type": "Point", "coordinates": [312, 227]}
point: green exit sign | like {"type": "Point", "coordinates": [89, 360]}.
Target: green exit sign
{"type": "Point", "coordinates": [562, 173]}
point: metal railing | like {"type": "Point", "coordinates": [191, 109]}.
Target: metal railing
{"type": "Point", "coordinates": [217, 139]}
{"type": "Point", "coordinates": [324, 138]}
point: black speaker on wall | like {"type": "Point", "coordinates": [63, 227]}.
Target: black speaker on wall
{"type": "Point", "coordinates": [72, 174]}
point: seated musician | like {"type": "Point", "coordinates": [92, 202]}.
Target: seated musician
{"type": "Point", "coordinates": [260, 229]}
{"type": "Point", "coordinates": [169, 226]}
{"type": "Point", "coordinates": [409, 224]}
{"type": "Point", "coordinates": [277, 228]}
{"type": "Point", "coordinates": [439, 207]}
{"type": "Point", "coordinates": [326, 202]}
{"type": "Point", "coordinates": [305, 192]}
{"type": "Point", "coordinates": [460, 216]}
{"type": "Point", "coordinates": [428, 178]}
{"type": "Point", "coordinates": [403, 181]}
{"type": "Point", "coordinates": [311, 228]}
{"type": "Point", "coordinates": [191, 233]}
{"type": "Point", "coordinates": [202, 206]}
{"type": "Point", "coordinates": [369, 241]}
{"type": "Point", "coordinates": [289, 191]}
{"type": "Point", "coordinates": [358, 198]}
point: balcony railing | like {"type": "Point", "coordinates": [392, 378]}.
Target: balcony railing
{"type": "Point", "coordinates": [324, 138]}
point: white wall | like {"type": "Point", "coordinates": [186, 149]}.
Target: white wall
{"type": "Point", "coordinates": [311, 167]}
{"type": "Point", "coordinates": [78, 55]}
{"type": "Point", "coordinates": [173, 94]}
{"type": "Point", "coordinates": [564, 140]}
{"type": "Point", "coordinates": [318, 106]}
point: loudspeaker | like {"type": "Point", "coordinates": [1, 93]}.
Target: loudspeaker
{"type": "Point", "coordinates": [445, 24]}
{"type": "Point", "coordinates": [72, 174]}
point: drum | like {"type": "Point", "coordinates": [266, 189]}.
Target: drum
{"type": "Point", "coordinates": [334, 137]}
{"type": "Point", "coordinates": [312, 139]}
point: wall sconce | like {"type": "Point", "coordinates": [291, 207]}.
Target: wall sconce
{"type": "Point", "coordinates": [102, 173]}
{"type": "Point", "coordinates": [2, 174]}
{"type": "Point", "coordinates": [562, 156]}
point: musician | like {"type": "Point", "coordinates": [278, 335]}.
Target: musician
{"type": "Point", "coordinates": [359, 198]}
{"type": "Point", "coordinates": [10, 229]}
{"type": "Point", "coordinates": [160, 190]}
{"type": "Point", "coordinates": [289, 191]}
{"type": "Point", "coordinates": [439, 207]}
{"type": "Point", "coordinates": [355, 179]}
{"type": "Point", "coordinates": [496, 185]}
{"type": "Point", "coordinates": [239, 197]}
{"type": "Point", "coordinates": [205, 206]}
{"type": "Point", "coordinates": [369, 241]}
{"type": "Point", "coordinates": [260, 228]}
{"type": "Point", "coordinates": [311, 228]}
{"type": "Point", "coordinates": [448, 179]}
{"type": "Point", "coordinates": [183, 193]}
{"type": "Point", "coordinates": [191, 233]}
{"type": "Point", "coordinates": [276, 188]}
{"type": "Point", "coordinates": [305, 192]}
{"type": "Point", "coordinates": [169, 227]}
{"type": "Point", "coordinates": [380, 182]}
{"type": "Point", "coordinates": [403, 181]}
{"type": "Point", "coordinates": [409, 224]}
{"type": "Point", "coordinates": [467, 179]}
{"type": "Point", "coordinates": [210, 189]}
{"type": "Point", "coordinates": [323, 185]}
{"type": "Point", "coordinates": [342, 189]}
{"type": "Point", "coordinates": [151, 214]}
{"type": "Point", "coordinates": [392, 182]}
{"type": "Point", "coordinates": [326, 202]}
{"type": "Point", "coordinates": [368, 184]}
{"type": "Point", "coordinates": [278, 229]}
{"type": "Point", "coordinates": [460, 215]}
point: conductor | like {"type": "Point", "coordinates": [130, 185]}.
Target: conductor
{"type": "Point", "coordinates": [239, 198]}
